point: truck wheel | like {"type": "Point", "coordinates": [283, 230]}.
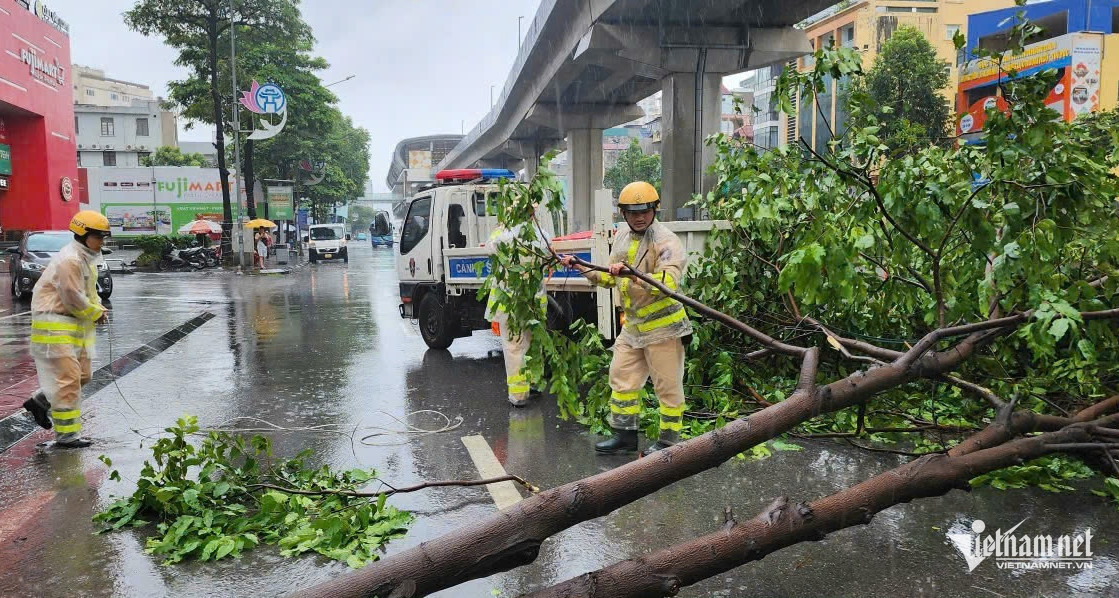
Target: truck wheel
{"type": "Point", "coordinates": [346, 256]}
{"type": "Point", "coordinates": [436, 327]}
{"type": "Point", "coordinates": [313, 257]}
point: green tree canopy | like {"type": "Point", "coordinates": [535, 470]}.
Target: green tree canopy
{"type": "Point", "coordinates": [908, 78]}
{"type": "Point", "coordinates": [195, 28]}
{"type": "Point", "coordinates": [172, 156]}
{"type": "Point", "coordinates": [633, 165]}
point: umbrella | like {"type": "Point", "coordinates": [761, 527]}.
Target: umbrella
{"type": "Point", "coordinates": [200, 227]}
{"type": "Point", "coordinates": [260, 223]}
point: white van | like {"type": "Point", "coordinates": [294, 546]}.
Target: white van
{"type": "Point", "coordinates": [327, 242]}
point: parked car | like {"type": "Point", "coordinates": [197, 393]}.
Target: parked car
{"type": "Point", "coordinates": [28, 260]}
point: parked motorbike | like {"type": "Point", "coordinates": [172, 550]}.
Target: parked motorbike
{"type": "Point", "coordinates": [173, 259]}
{"type": "Point", "coordinates": [197, 255]}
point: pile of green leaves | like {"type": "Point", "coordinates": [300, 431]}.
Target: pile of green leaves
{"type": "Point", "coordinates": [206, 502]}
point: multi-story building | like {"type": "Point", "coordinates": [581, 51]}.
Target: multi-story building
{"type": "Point", "coordinates": [766, 118]}
{"type": "Point", "coordinates": [92, 87]}
{"type": "Point", "coordinates": [206, 148]}
{"type": "Point", "coordinates": [865, 25]}
{"type": "Point", "coordinates": [737, 113]}
{"type": "Point", "coordinates": [38, 177]}
{"type": "Point", "coordinates": [122, 135]}
{"type": "Point", "coordinates": [1079, 40]}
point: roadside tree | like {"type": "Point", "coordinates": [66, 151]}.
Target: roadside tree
{"type": "Point", "coordinates": [633, 165]}
{"type": "Point", "coordinates": [196, 29]}
{"type": "Point", "coordinates": [173, 156]}
{"type": "Point", "coordinates": [908, 77]}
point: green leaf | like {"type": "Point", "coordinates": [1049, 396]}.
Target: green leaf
{"type": "Point", "coordinates": [224, 548]}
{"type": "Point", "coordinates": [1059, 327]}
{"type": "Point", "coordinates": [781, 445]}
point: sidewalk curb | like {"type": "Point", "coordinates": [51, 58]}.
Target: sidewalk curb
{"type": "Point", "coordinates": [18, 425]}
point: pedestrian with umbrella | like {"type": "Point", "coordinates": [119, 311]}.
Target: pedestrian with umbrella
{"type": "Point", "coordinates": [261, 226]}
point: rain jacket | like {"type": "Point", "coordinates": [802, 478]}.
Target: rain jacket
{"type": "Point", "coordinates": [500, 236]}
{"type": "Point", "coordinates": [65, 305]}
{"type": "Point", "coordinates": [650, 317]}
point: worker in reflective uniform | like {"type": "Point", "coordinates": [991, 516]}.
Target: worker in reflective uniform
{"type": "Point", "coordinates": [514, 347]}
{"type": "Point", "coordinates": [64, 309]}
{"type": "Point", "coordinates": [650, 344]}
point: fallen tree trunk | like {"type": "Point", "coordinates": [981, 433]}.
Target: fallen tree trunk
{"type": "Point", "coordinates": [512, 538]}
{"type": "Point", "coordinates": [783, 523]}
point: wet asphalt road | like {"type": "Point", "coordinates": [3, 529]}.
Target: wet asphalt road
{"type": "Point", "coordinates": [325, 345]}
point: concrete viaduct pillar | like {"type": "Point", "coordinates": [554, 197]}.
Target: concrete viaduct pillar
{"type": "Point", "coordinates": [692, 111]}
{"type": "Point", "coordinates": [585, 149]}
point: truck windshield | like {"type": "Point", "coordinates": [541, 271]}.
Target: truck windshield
{"type": "Point", "coordinates": [48, 241]}
{"type": "Point", "coordinates": [324, 234]}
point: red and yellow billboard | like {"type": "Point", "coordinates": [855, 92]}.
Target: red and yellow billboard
{"type": "Point", "coordinates": [1075, 56]}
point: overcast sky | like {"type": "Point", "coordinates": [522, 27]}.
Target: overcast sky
{"type": "Point", "coordinates": [422, 66]}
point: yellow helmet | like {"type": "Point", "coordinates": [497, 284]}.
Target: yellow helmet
{"type": "Point", "coordinates": [88, 221]}
{"type": "Point", "coordinates": [638, 197]}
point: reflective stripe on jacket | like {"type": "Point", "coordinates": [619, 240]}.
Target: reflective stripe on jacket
{"type": "Point", "coordinates": [65, 304]}
{"type": "Point", "coordinates": [650, 317]}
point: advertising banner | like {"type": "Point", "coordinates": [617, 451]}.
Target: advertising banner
{"type": "Point", "coordinates": [5, 159]}
{"type": "Point", "coordinates": [280, 203]}
{"type": "Point", "coordinates": [419, 159]}
{"type": "Point", "coordinates": [154, 201]}
{"type": "Point", "coordinates": [1076, 57]}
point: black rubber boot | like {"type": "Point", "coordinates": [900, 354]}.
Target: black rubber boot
{"type": "Point", "coordinates": [73, 444]}
{"type": "Point", "coordinates": [623, 441]}
{"type": "Point", "coordinates": [40, 409]}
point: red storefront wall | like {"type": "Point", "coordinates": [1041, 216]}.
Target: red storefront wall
{"type": "Point", "coordinates": [36, 120]}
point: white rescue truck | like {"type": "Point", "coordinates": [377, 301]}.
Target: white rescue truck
{"type": "Point", "coordinates": [444, 235]}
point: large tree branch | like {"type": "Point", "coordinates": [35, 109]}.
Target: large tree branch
{"type": "Point", "coordinates": [766, 340]}
{"type": "Point", "coordinates": [784, 523]}
{"type": "Point", "coordinates": [513, 537]}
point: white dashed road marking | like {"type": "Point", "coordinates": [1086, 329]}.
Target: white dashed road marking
{"type": "Point", "coordinates": [504, 494]}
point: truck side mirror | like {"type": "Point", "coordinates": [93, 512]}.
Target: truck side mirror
{"type": "Point", "coordinates": [348, 237]}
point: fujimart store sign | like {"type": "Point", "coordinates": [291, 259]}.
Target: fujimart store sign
{"type": "Point", "coordinates": [149, 201]}
{"type": "Point", "coordinates": [44, 12]}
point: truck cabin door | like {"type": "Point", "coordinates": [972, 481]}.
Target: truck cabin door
{"type": "Point", "coordinates": [416, 262]}
{"type": "Point", "coordinates": [460, 233]}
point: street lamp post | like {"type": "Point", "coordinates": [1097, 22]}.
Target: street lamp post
{"type": "Point", "coordinates": [240, 253]}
